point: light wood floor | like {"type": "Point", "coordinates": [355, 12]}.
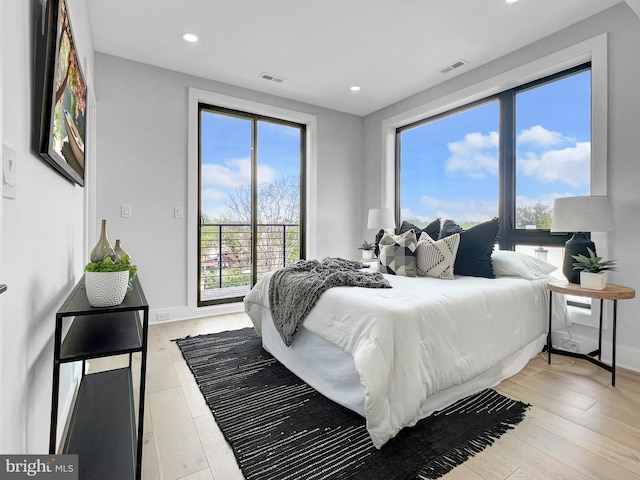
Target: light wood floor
{"type": "Point", "coordinates": [579, 427]}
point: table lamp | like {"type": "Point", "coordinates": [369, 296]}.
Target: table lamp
{"type": "Point", "coordinates": [580, 216]}
{"type": "Point", "coordinates": [381, 218]}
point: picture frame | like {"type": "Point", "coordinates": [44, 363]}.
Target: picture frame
{"type": "Point", "coordinates": [61, 86]}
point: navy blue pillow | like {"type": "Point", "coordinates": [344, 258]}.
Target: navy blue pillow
{"type": "Point", "coordinates": [476, 246]}
{"type": "Point", "coordinates": [433, 229]}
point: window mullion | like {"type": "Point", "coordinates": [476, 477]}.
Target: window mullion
{"type": "Point", "coordinates": [254, 202]}
{"type": "Point", "coordinates": [506, 166]}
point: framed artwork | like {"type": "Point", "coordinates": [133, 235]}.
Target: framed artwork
{"type": "Point", "coordinates": [61, 139]}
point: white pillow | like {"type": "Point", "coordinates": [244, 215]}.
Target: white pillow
{"type": "Point", "coordinates": [510, 263]}
{"type": "Point", "coordinates": [436, 258]}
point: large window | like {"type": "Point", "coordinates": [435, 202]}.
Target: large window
{"type": "Point", "coordinates": [509, 156]}
{"type": "Point", "coordinates": [251, 200]}
{"type": "Point", "coordinates": [449, 167]}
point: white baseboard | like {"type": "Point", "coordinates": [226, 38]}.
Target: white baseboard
{"type": "Point", "coordinates": [626, 357]}
{"type": "Point", "coordinates": [163, 315]}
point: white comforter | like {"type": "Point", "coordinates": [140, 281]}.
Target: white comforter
{"type": "Point", "coordinates": [422, 336]}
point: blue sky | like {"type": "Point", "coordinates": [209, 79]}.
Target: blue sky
{"type": "Point", "coordinates": [450, 166]}
{"type": "Point", "coordinates": [226, 156]}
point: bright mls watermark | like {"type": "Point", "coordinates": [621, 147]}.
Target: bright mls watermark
{"type": "Point", "coordinates": [50, 467]}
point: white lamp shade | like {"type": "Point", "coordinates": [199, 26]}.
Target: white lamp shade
{"type": "Point", "coordinates": [582, 214]}
{"type": "Point", "coordinates": [381, 218]}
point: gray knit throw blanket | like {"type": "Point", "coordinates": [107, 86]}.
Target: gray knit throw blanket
{"type": "Point", "coordinates": [295, 289]}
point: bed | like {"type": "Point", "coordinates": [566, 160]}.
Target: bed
{"type": "Point", "coordinates": [396, 355]}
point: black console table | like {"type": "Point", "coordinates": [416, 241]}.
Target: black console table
{"type": "Point", "coordinates": [102, 429]}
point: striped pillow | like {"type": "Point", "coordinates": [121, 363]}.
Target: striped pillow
{"type": "Point", "coordinates": [436, 258]}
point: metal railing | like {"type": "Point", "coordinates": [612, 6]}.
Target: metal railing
{"type": "Point", "coordinates": [225, 252]}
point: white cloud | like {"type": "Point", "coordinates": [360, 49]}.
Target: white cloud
{"type": "Point", "coordinates": [234, 173]}
{"type": "Point", "coordinates": [539, 136]}
{"type": "Point", "coordinates": [476, 155]}
{"type": "Point", "coordinates": [569, 165]}
{"type": "Point", "coordinates": [212, 194]}
{"type": "Point", "coordinates": [546, 199]}
{"type": "Point", "coordinates": [461, 210]}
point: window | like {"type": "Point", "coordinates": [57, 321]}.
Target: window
{"type": "Point", "coordinates": [251, 200]}
{"type": "Point", "coordinates": [449, 167]}
{"type": "Point", "coordinates": [509, 155]}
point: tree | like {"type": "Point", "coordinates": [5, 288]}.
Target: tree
{"type": "Point", "coordinates": [278, 202]}
{"type": "Point", "coordinates": [278, 229]}
{"type": "Point", "coordinates": [538, 215]}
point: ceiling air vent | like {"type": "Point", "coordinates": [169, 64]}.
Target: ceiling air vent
{"type": "Point", "coordinates": [457, 64]}
{"type": "Point", "coordinates": [273, 78]}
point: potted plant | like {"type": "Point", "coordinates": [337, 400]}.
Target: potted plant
{"type": "Point", "coordinates": [107, 282]}
{"type": "Point", "coordinates": [593, 270]}
{"type": "Point", "coordinates": [367, 249]}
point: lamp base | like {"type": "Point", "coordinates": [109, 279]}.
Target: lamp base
{"type": "Point", "coordinates": [576, 245]}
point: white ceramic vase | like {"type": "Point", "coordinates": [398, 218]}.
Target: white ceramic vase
{"type": "Point", "coordinates": [593, 281]}
{"type": "Point", "coordinates": [367, 254]}
{"type": "Point", "coordinates": [106, 289]}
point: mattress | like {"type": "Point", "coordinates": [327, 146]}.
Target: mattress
{"type": "Point", "coordinates": [332, 372]}
{"type": "Point", "coordinates": [415, 347]}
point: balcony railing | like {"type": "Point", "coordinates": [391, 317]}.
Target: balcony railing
{"type": "Point", "coordinates": [225, 255]}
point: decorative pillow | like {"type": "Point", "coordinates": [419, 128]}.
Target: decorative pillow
{"type": "Point", "coordinates": [509, 263]}
{"type": "Point", "coordinates": [398, 254]}
{"type": "Point", "coordinates": [436, 258]}
{"type": "Point", "coordinates": [475, 249]}
{"type": "Point", "coordinates": [376, 249]}
{"type": "Point", "coordinates": [433, 229]}
{"type": "Point", "coordinates": [449, 227]}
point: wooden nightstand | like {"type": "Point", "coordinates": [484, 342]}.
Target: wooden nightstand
{"type": "Point", "coordinates": [612, 292]}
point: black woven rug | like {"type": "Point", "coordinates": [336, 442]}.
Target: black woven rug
{"type": "Point", "coordinates": [280, 428]}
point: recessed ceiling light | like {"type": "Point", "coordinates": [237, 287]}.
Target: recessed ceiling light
{"type": "Point", "coordinates": [355, 88]}
{"type": "Point", "coordinates": [511, 1]}
{"type": "Point", "coordinates": [190, 37]}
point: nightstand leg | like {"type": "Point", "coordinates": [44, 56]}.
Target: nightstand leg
{"type": "Point", "coordinates": [600, 331]}
{"type": "Point", "coordinates": [549, 333]}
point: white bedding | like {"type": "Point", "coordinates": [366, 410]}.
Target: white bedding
{"type": "Point", "coordinates": [422, 336]}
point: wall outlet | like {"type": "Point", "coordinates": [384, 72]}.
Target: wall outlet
{"type": "Point", "coordinates": [163, 316]}
{"type": "Point", "coordinates": [8, 172]}
{"type": "Point", "coordinates": [126, 211]}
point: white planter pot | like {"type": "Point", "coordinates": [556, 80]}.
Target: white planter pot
{"type": "Point", "coordinates": [593, 281]}
{"type": "Point", "coordinates": [106, 289]}
{"type": "Point", "coordinates": [367, 254]}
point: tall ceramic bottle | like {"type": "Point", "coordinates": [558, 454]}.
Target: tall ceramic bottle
{"type": "Point", "coordinates": [103, 248]}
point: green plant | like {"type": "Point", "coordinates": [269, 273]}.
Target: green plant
{"type": "Point", "coordinates": [592, 263]}
{"type": "Point", "coordinates": [366, 245]}
{"type": "Point", "coordinates": [108, 265]}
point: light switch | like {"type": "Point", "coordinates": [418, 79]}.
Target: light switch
{"type": "Point", "coordinates": [178, 212]}
{"type": "Point", "coordinates": [9, 176]}
{"type": "Point", "coordinates": [125, 211]}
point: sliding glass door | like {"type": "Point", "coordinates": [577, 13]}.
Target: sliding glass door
{"type": "Point", "coordinates": [251, 200]}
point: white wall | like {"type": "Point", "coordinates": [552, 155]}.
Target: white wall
{"type": "Point", "coordinates": [142, 152]}
{"type": "Point", "coordinates": [42, 241]}
{"type": "Point", "coordinates": [635, 6]}
{"type": "Point", "coordinates": [623, 36]}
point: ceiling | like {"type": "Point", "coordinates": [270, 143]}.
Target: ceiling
{"type": "Point", "coordinates": [390, 48]}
